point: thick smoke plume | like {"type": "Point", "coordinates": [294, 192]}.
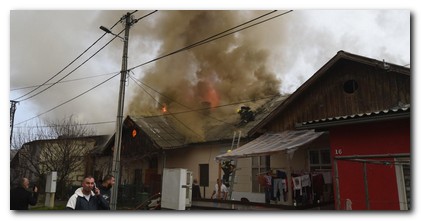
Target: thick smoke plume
{"type": "Point", "coordinates": [224, 71]}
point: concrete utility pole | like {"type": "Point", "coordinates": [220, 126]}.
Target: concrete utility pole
{"type": "Point", "coordinates": [119, 124]}
{"type": "Point", "coordinates": [12, 119]}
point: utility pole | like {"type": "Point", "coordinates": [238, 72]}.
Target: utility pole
{"type": "Point", "coordinates": [12, 118]}
{"type": "Point", "coordinates": [119, 124]}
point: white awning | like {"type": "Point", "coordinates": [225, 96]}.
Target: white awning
{"type": "Point", "coordinates": [270, 143]}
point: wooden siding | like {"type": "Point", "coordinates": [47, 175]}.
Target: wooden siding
{"type": "Point", "coordinates": [378, 89]}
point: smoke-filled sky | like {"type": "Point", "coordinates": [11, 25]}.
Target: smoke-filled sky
{"type": "Point", "coordinates": [273, 57]}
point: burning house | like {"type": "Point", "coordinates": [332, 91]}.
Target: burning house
{"type": "Point", "coordinates": [152, 143]}
{"type": "Point", "coordinates": [360, 110]}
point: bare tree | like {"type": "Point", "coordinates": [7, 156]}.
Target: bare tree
{"type": "Point", "coordinates": [61, 146]}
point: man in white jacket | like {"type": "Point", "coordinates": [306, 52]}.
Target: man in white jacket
{"type": "Point", "coordinates": [224, 191]}
{"type": "Point", "coordinates": [87, 197]}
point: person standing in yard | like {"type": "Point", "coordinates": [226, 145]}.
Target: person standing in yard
{"type": "Point", "coordinates": [105, 187]}
{"type": "Point", "coordinates": [87, 197]}
{"type": "Point", "coordinates": [20, 197]}
{"type": "Point", "coordinates": [268, 186]}
{"type": "Point", "coordinates": [196, 190]}
{"type": "Point", "coordinates": [224, 191]}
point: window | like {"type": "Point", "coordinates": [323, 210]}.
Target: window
{"type": "Point", "coordinates": [259, 165]}
{"type": "Point", "coordinates": [204, 174]}
{"type": "Point", "coordinates": [350, 86]}
{"type": "Point", "coordinates": [319, 159]}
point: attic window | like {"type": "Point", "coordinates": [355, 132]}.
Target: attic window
{"type": "Point", "coordinates": [350, 86]}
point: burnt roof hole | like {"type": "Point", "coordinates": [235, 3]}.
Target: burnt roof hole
{"type": "Point", "coordinates": [350, 86]}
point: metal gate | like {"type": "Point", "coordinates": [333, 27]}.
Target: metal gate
{"type": "Point", "coordinates": [402, 167]}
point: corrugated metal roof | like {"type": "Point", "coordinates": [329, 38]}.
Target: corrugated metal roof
{"type": "Point", "coordinates": [402, 108]}
{"type": "Point", "coordinates": [166, 132]}
{"type": "Point", "coordinates": [161, 130]}
{"type": "Point", "coordinates": [272, 142]}
{"type": "Point", "coordinates": [341, 55]}
{"type": "Point", "coordinates": [220, 131]}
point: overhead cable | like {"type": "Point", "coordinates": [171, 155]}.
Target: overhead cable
{"type": "Point", "coordinates": [67, 100]}
{"type": "Point", "coordinates": [63, 68]}
{"type": "Point", "coordinates": [214, 37]}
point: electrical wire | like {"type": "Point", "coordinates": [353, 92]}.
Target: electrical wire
{"type": "Point", "coordinates": [76, 79]}
{"type": "Point", "coordinates": [220, 106]}
{"type": "Point", "coordinates": [205, 115]}
{"type": "Point", "coordinates": [68, 100]}
{"type": "Point", "coordinates": [214, 37]}
{"type": "Point", "coordinates": [207, 40]}
{"type": "Point", "coordinates": [73, 69]}
{"type": "Point", "coordinates": [169, 113]}
{"type": "Point", "coordinates": [65, 66]}
{"type": "Point", "coordinates": [174, 113]}
{"type": "Point", "coordinates": [115, 36]}
{"type": "Point", "coordinates": [82, 124]}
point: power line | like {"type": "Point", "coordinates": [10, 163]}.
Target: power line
{"type": "Point", "coordinates": [136, 81]}
{"type": "Point", "coordinates": [214, 37]}
{"type": "Point", "coordinates": [80, 66]}
{"type": "Point", "coordinates": [72, 70]}
{"type": "Point", "coordinates": [207, 40]}
{"type": "Point", "coordinates": [233, 32]}
{"type": "Point", "coordinates": [76, 79]}
{"type": "Point", "coordinates": [169, 113]}
{"type": "Point", "coordinates": [173, 113]}
{"type": "Point", "coordinates": [220, 106]}
{"type": "Point", "coordinates": [82, 124]}
{"type": "Point", "coordinates": [68, 100]}
{"type": "Point", "coordinates": [63, 68]}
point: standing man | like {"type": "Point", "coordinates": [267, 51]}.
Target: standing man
{"type": "Point", "coordinates": [105, 187]}
{"type": "Point", "coordinates": [196, 190]}
{"type": "Point", "coordinates": [224, 190]}
{"type": "Point", "coordinates": [20, 197]}
{"type": "Point", "coordinates": [268, 186]}
{"type": "Point", "coordinates": [87, 197]}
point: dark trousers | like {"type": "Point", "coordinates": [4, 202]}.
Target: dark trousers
{"type": "Point", "coordinates": [268, 194]}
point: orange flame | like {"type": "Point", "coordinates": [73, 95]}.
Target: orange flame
{"type": "Point", "coordinates": [164, 109]}
{"type": "Point", "coordinates": [212, 96]}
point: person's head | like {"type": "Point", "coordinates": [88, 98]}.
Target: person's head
{"type": "Point", "coordinates": [195, 181]}
{"type": "Point", "coordinates": [24, 182]}
{"type": "Point", "coordinates": [218, 181]}
{"type": "Point", "coordinates": [88, 184]}
{"type": "Point", "coordinates": [108, 181]}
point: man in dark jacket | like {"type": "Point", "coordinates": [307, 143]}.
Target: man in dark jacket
{"type": "Point", "coordinates": [196, 191]}
{"type": "Point", "coordinates": [87, 197]}
{"type": "Point", "coordinates": [20, 197]}
{"type": "Point", "coordinates": [105, 187]}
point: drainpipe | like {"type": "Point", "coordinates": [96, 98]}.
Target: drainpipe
{"type": "Point", "coordinates": [367, 197]}
{"type": "Point", "coordinates": [338, 196]}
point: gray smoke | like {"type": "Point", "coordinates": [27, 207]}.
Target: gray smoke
{"type": "Point", "coordinates": [228, 70]}
{"type": "Point", "coordinates": [247, 65]}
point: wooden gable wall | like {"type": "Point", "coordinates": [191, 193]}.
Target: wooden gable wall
{"type": "Point", "coordinates": [324, 97]}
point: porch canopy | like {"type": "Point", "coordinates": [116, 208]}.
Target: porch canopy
{"type": "Point", "coordinates": [270, 143]}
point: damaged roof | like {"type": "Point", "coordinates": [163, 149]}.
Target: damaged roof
{"type": "Point", "coordinates": [167, 131]}
{"type": "Point", "coordinates": [261, 109]}
{"type": "Point", "coordinates": [161, 130]}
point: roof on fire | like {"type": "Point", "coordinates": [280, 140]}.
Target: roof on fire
{"type": "Point", "coordinates": [167, 131]}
